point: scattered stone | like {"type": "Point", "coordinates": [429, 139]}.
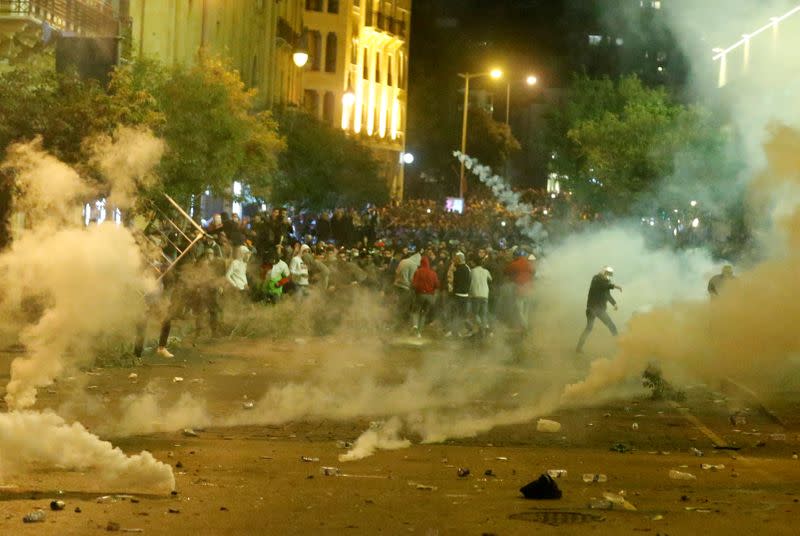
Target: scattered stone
{"type": "Point", "coordinates": [738, 420]}
{"type": "Point", "coordinates": [179, 465]}
{"type": "Point", "coordinates": [135, 500]}
{"type": "Point", "coordinates": [188, 432]}
{"type": "Point", "coordinates": [112, 526]}
{"type": "Point", "coordinates": [177, 379]}
{"type": "Point", "coordinates": [223, 509]}
{"type": "Point", "coordinates": [309, 459]}
{"type": "Point", "coordinates": [462, 472]}
{"type": "Point", "coordinates": [329, 471]}
{"type": "Point", "coordinates": [489, 472]}
{"type": "Point", "coordinates": [620, 447]}
{"type": "Point", "coordinates": [657, 517]}
{"type": "Point", "coordinates": [78, 510]}
{"type": "Point", "coordinates": [57, 505]}
{"type": "Point", "coordinates": [635, 426]}
{"type": "Point", "coordinates": [617, 500]}
{"type": "Point", "coordinates": [594, 477]}
{"type": "Point", "coordinates": [697, 452]}
{"type": "Point", "coordinates": [712, 467]}
{"type": "Point", "coordinates": [249, 404]}
{"type": "Point", "coordinates": [173, 511]}
{"type": "Point", "coordinates": [173, 492]}
{"type": "Point", "coordinates": [684, 498]}
{"type": "Point", "coordinates": [544, 488]}
{"type": "Point", "coordinates": [557, 473]}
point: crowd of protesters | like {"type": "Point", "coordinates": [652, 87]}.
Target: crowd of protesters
{"type": "Point", "coordinates": [444, 274]}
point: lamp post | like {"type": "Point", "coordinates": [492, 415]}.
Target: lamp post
{"type": "Point", "coordinates": [495, 74]}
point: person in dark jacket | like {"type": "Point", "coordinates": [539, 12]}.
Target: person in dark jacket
{"type": "Point", "coordinates": [461, 284]}
{"type": "Point", "coordinates": [425, 284]}
{"type": "Point", "coordinates": [597, 302]}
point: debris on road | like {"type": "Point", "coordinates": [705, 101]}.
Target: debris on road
{"type": "Point", "coordinates": [329, 471]}
{"type": "Point", "coordinates": [544, 488]}
{"type": "Point", "coordinates": [57, 505]}
{"type": "Point", "coordinates": [712, 467]}
{"type": "Point", "coordinates": [133, 376]}
{"type": "Point", "coordinates": [737, 419]}
{"type": "Point", "coordinates": [548, 426]}
{"type": "Point", "coordinates": [620, 447]}
{"type": "Point", "coordinates": [188, 432]}
{"type": "Point", "coordinates": [594, 477]}
{"type": "Point", "coordinates": [462, 472]}
{"type": "Point", "coordinates": [309, 459]}
{"type": "Point", "coordinates": [248, 404]}
{"type": "Point", "coordinates": [680, 475]}
{"type": "Point", "coordinates": [557, 473]}
{"type": "Point", "coordinates": [696, 452]}
{"type": "Point", "coordinates": [37, 516]}
{"type": "Point", "coordinates": [618, 500]}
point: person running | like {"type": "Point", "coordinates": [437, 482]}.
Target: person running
{"type": "Point", "coordinates": [717, 282]}
{"type": "Point", "coordinates": [480, 279]}
{"type": "Point", "coordinates": [597, 302]}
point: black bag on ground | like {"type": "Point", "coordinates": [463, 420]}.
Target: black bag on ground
{"type": "Point", "coordinates": [542, 488]}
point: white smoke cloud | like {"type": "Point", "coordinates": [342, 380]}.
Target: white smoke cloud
{"type": "Point", "coordinates": [28, 437]}
{"type": "Point", "coordinates": [380, 436]}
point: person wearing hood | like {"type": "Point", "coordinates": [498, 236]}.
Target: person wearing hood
{"type": "Point", "coordinates": [299, 270]}
{"type": "Point", "coordinates": [425, 283]}
{"type": "Point", "coordinates": [237, 271]}
{"type": "Point", "coordinates": [402, 284]}
{"type": "Point", "coordinates": [597, 302]}
{"type": "Point", "coordinates": [521, 272]}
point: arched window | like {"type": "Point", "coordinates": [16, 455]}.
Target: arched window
{"type": "Point", "coordinates": [331, 52]}
{"type": "Point", "coordinates": [314, 5]}
{"type": "Point", "coordinates": [311, 102]}
{"type": "Point", "coordinates": [377, 66]}
{"type": "Point", "coordinates": [333, 6]}
{"type": "Point", "coordinates": [329, 108]}
{"type": "Point", "coordinates": [366, 64]}
{"type": "Point", "coordinates": [315, 50]}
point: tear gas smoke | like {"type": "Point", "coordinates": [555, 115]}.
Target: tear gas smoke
{"type": "Point", "coordinates": [510, 199]}
{"type": "Point", "coordinates": [87, 283]}
{"type": "Point", "coordinates": [380, 436]}
{"type": "Point", "coordinates": [747, 332]}
{"type": "Point", "coordinates": [126, 161]}
{"type": "Point", "coordinates": [28, 437]}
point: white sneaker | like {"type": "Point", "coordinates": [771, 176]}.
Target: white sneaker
{"type": "Point", "coordinates": [163, 352]}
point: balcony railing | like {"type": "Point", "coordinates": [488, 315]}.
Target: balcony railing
{"type": "Point", "coordinates": [87, 17]}
{"type": "Point", "coordinates": [387, 24]}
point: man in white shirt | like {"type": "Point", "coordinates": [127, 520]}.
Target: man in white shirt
{"type": "Point", "coordinates": [237, 271]}
{"type": "Point", "coordinates": [480, 278]}
{"type": "Point", "coordinates": [299, 270]}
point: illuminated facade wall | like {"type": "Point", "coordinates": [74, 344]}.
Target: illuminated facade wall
{"type": "Point", "coordinates": [258, 37]}
{"type": "Point", "coordinates": [356, 76]}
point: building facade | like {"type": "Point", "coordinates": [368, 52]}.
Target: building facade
{"type": "Point", "coordinates": [356, 76]}
{"type": "Point", "coordinates": [26, 27]}
{"type": "Point", "coordinates": [258, 37]}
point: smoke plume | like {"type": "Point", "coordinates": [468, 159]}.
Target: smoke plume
{"type": "Point", "coordinates": [28, 437]}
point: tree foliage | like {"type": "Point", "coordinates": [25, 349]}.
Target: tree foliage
{"type": "Point", "coordinates": [322, 167]}
{"type": "Point", "coordinates": [617, 140]}
{"type": "Point", "coordinates": [488, 140]}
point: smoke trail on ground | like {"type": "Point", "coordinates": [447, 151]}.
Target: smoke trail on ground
{"type": "Point", "coordinates": [28, 437]}
{"type": "Point", "coordinates": [380, 436]}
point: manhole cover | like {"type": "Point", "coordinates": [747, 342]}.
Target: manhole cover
{"type": "Point", "coordinates": [556, 517]}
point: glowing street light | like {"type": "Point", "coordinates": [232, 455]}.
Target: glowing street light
{"type": "Point", "coordinates": [300, 58]}
{"type": "Point", "coordinates": [495, 74]}
{"type": "Point", "coordinates": [349, 97]}
{"type": "Point", "coordinates": [531, 80]}
{"type": "Point", "coordinates": [408, 158]}
{"type": "Point", "coordinates": [693, 203]}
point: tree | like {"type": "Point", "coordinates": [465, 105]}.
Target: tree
{"type": "Point", "coordinates": [208, 119]}
{"type": "Point", "coordinates": [488, 140]}
{"type": "Point", "coordinates": [323, 168]}
{"type": "Point", "coordinates": [617, 140]}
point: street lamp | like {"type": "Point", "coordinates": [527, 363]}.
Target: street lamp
{"type": "Point", "coordinates": [530, 81]}
{"type": "Point", "coordinates": [495, 74]}
{"type": "Point", "coordinates": [300, 56]}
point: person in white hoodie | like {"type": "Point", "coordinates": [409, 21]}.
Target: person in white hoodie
{"type": "Point", "coordinates": [480, 278]}
{"type": "Point", "coordinates": [299, 270]}
{"type": "Point", "coordinates": [402, 285]}
{"type": "Point", "coordinates": [237, 271]}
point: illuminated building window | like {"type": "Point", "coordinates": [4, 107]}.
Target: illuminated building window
{"type": "Point", "coordinates": [377, 66]}
{"type": "Point", "coordinates": [333, 6]}
{"type": "Point", "coordinates": [314, 5]}
{"type": "Point", "coordinates": [366, 64]}
{"type": "Point", "coordinates": [595, 40]}
{"type": "Point", "coordinates": [389, 73]}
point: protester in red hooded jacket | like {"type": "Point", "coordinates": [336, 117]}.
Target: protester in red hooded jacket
{"type": "Point", "coordinates": [425, 284]}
